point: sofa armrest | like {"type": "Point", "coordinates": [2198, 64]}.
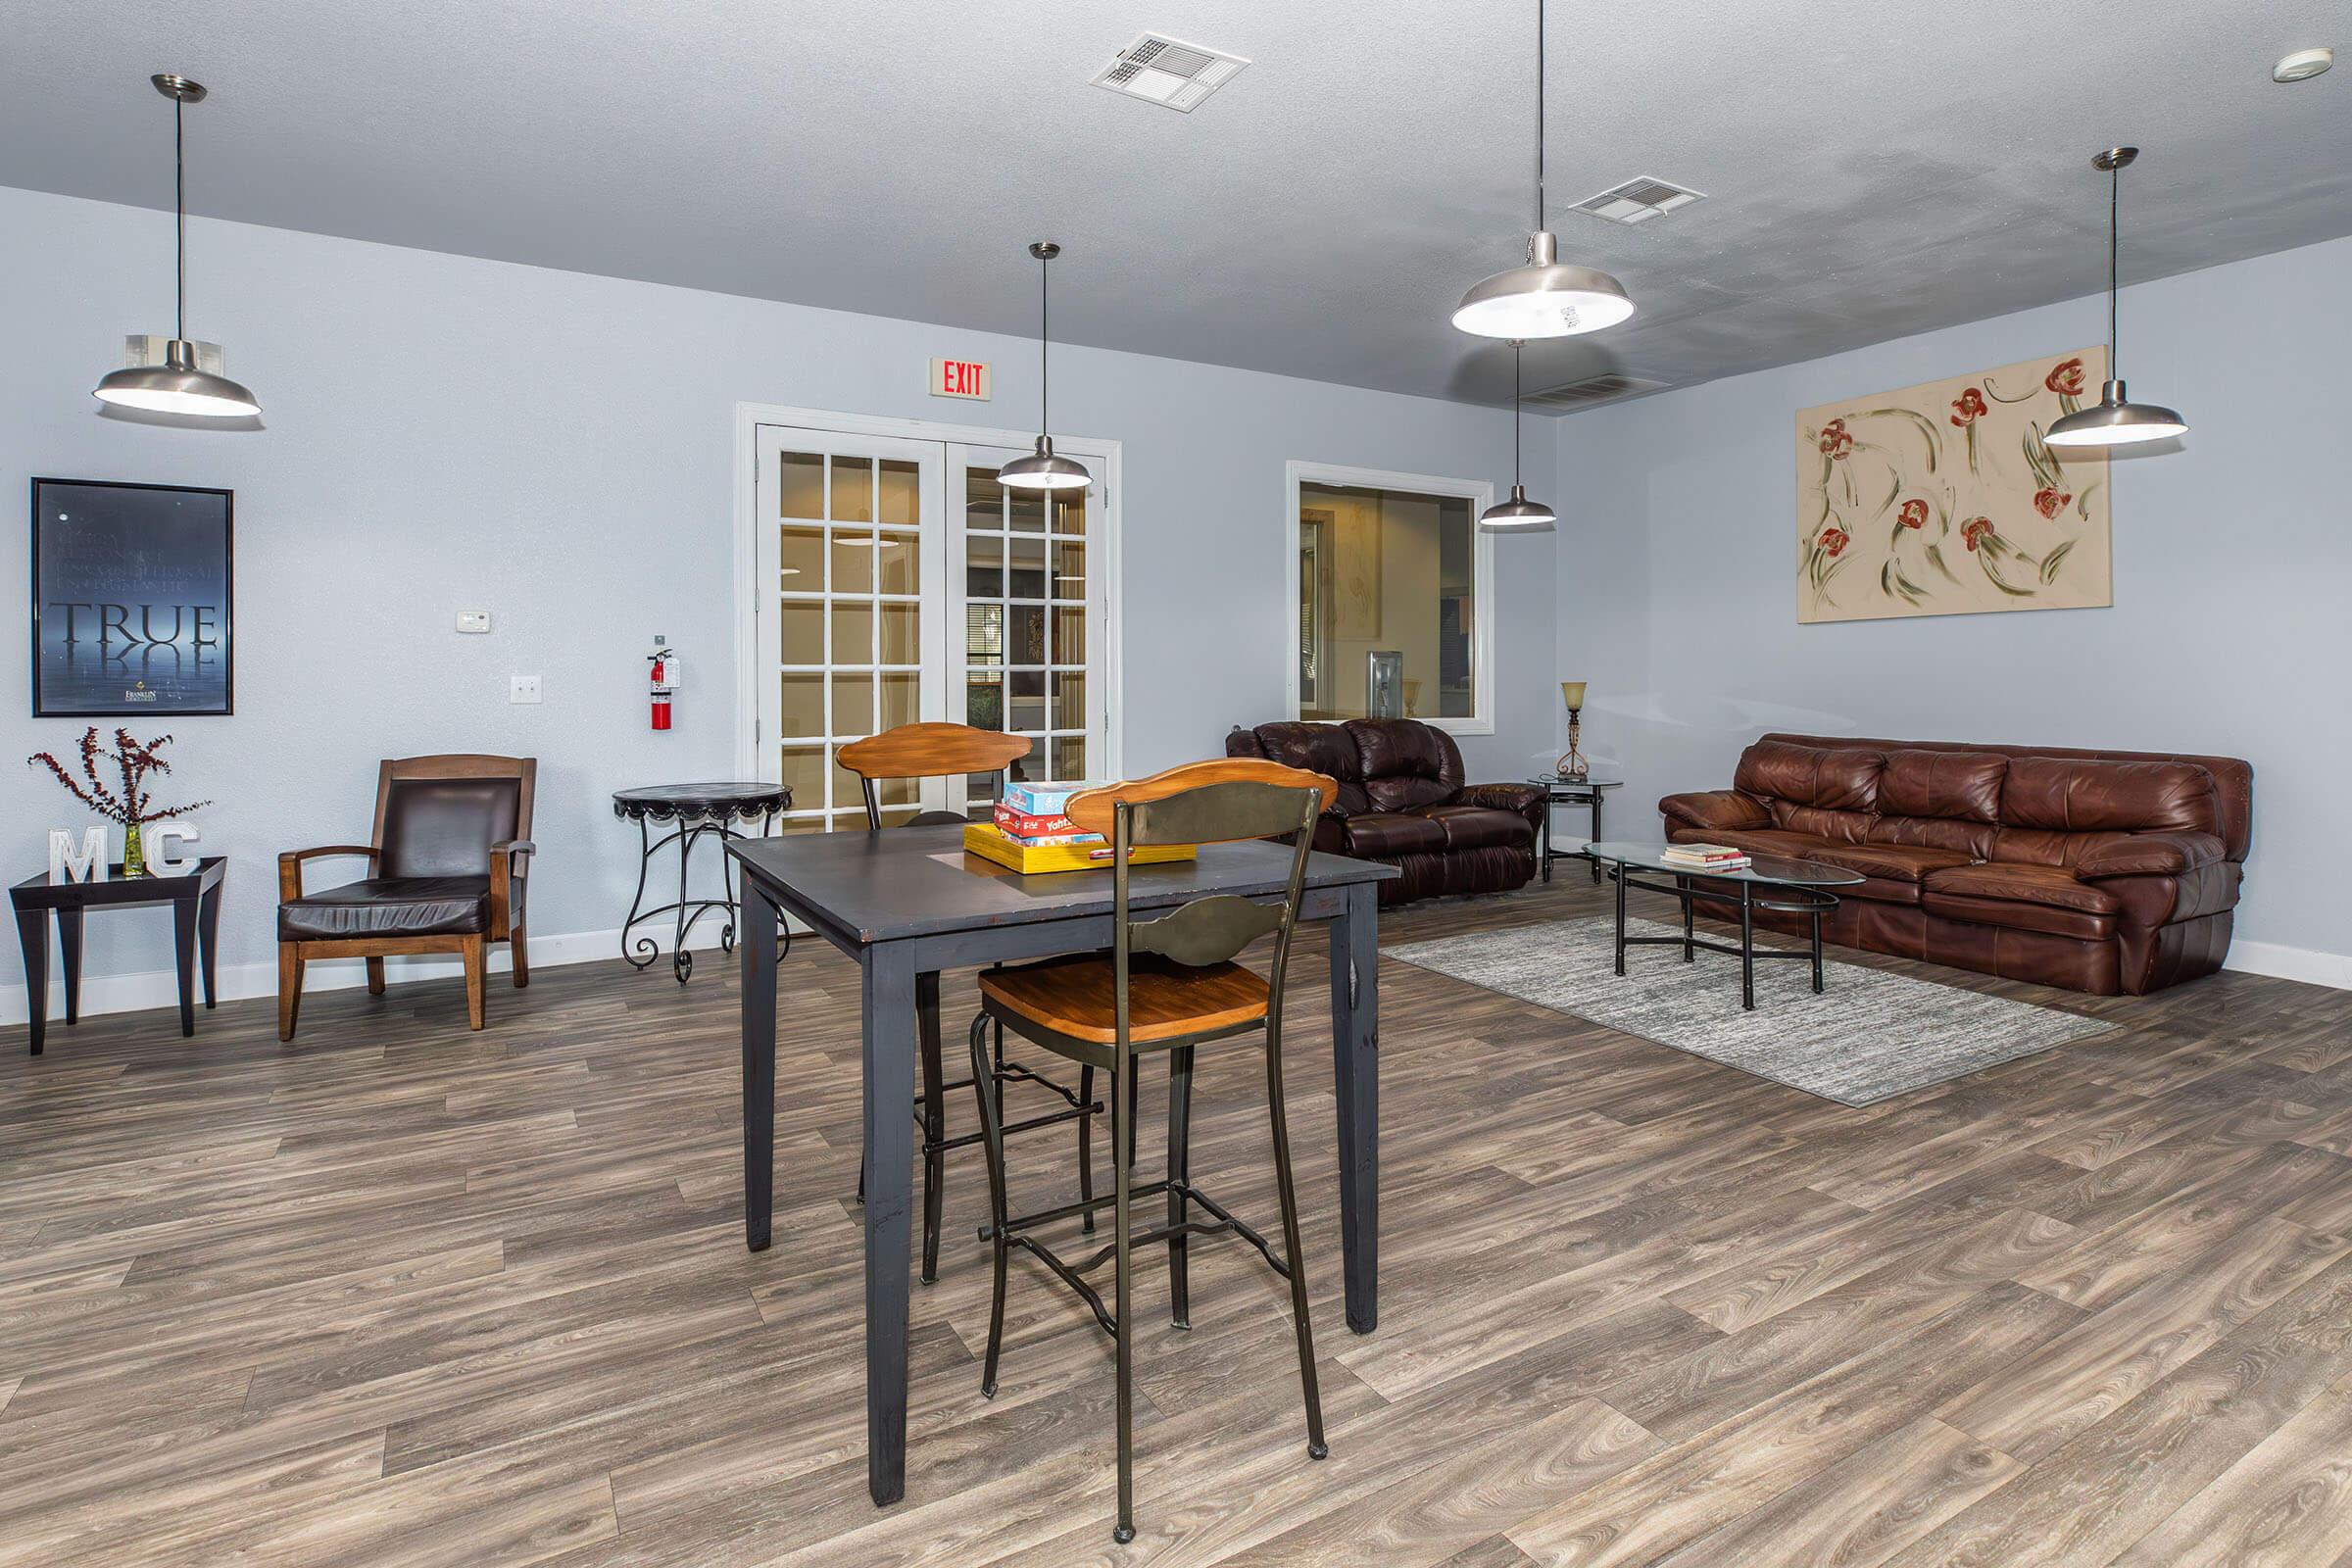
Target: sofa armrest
{"type": "Point", "coordinates": [1242, 742]}
{"type": "Point", "coordinates": [1526, 800]}
{"type": "Point", "coordinates": [1715, 810]}
{"type": "Point", "coordinates": [2150, 854]}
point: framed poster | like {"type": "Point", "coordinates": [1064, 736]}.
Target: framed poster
{"type": "Point", "coordinates": [132, 602]}
{"type": "Point", "coordinates": [1944, 499]}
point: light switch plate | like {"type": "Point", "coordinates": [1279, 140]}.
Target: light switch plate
{"type": "Point", "coordinates": [522, 688]}
{"type": "Point", "coordinates": [473, 621]}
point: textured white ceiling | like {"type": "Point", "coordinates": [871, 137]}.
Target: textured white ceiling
{"type": "Point", "coordinates": [1873, 169]}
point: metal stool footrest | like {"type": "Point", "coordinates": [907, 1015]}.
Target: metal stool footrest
{"type": "Point", "coordinates": [1074, 1274]}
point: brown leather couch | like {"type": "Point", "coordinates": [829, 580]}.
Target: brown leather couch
{"type": "Point", "coordinates": [2102, 871]}
{"type": "Point", "coordinates": [1402, 802]}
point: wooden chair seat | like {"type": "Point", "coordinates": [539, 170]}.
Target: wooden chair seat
{"type": "Point", "coordinates": [1077, 997]}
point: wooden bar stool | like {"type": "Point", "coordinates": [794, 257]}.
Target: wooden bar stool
{"type": "Point", "coordinates": [939, 751]}
{"type": "Point", "coordinates": [1168, 985]}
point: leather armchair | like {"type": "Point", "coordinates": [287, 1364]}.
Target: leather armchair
{"type": "Point", "coordinates": [1402, 801]}
{"type": "Point", "coordinates": [449, 871]}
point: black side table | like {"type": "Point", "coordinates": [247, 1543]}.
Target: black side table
{"type": "Point", "coordinates": [1560, 790]}
{"type": "Point", "coordinates": [195, 900]}
{"type": "Point", "coordinates": [699, 810]}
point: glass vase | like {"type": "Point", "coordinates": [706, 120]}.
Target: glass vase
{"type": "Point", "coordinates": [135, 853]}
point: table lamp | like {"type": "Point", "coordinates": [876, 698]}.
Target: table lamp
{"type": "Point", "coordinates": [1573, 766]}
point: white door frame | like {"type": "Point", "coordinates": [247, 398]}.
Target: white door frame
{"type": "Point", "coordinates": [1479, 493]}
{"type": "Point", "coordinates": [748, 417]}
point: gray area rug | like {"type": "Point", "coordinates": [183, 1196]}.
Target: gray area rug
{"type": "Point", "coordinates": [1868, 1036]}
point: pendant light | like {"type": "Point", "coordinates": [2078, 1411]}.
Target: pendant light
{"type": "Point", "coordinates": [1041, 470]}
{"type": "Point", "coordinates": [1544, 298]}
{"type": "Point", "coordinates": [2115, 420]}
{"type": "Point", "coordinates": [1517, 515]}
{"type": "Point", "coordinates": [177, 386]}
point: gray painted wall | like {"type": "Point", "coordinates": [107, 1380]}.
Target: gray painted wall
{"type": "Point", "coordinates": [2229, 631]}
{"type": "Point", "coordinates": [558, 449]}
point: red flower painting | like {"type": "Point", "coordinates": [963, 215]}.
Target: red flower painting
{"type": "Point", "coordinates": [1969, 407]}
{"type": "Point", "coordinates": [2064, 378]}
{"type": "Point", "coordinates": [1973, 529]}
{"type": "Point", "coordinates": [1914, 515]}
{"type": "Point", "coordinates": [2050, 498]}
{"type": "Point", "coordinates": [1833, 542]}
{"type": "Point", "coordinates": [1835, 440]}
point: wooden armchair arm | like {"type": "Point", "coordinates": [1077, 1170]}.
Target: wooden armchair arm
{"type": "Point", "coordinates": [289, 864]}
{"type": "Point", "coordinates": [509, 878]}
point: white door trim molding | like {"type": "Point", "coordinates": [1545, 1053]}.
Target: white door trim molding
{"type": "Point", "coordinates": [1479, 493]}
{"type": "Point", "coordinates": [748, 417]}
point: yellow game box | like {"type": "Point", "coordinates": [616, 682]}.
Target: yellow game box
{"type": "Point", "coordinates": [985, 840]}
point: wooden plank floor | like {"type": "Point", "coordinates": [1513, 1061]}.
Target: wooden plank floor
{"type": "Point", "coordinates": [399, 1294]}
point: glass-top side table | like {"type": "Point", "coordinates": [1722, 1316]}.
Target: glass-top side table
{"type": "Point", "coordinates": [699, 812]}
{"type": "Point", "coordinates": [1560, 790]}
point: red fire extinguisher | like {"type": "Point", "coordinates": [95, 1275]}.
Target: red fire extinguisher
{"type": "Point", "coordinates": [663, 661]}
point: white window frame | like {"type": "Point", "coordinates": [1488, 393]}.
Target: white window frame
{"type": "Point", "coordinates": [1103, 454]}
{"type": "Point", "coordinates": [1479, 493]}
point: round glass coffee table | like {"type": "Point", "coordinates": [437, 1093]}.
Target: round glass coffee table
{"type": "Point", "coordinates": [1775, 882]}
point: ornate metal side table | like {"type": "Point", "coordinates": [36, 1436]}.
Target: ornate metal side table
{"type": "Point", "coordinates": [699, 811]}
{"type": "Point", "coordinates": [1560, 790]}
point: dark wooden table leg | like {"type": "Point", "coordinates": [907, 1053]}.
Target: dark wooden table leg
{"type": "Point", "coordinates": [1748, 951]}
{"type": "Point", "coordinates": [183, 961]}
{"type": "Point", "coordinates": [33, 935]}
{"type": "Point", "coordinates": [888, 976]}
{"type": "Point", "coordinates": [69, 959]}
{"type": "Point", "coordinates": [756, 955]}
{"type": "Point", "coordinates": [935, 1118]}
{"type": "Point", "coordinates": [208, 940]}
{"type": "Point", "coordinates": [1355, 1074]}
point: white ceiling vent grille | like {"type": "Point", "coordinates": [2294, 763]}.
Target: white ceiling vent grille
{"type": "Point", "coordinates": [1606, 387]}
{"type": "Point", "coordinates": [1637, 201]}
{"type": "Point", "coordinates": [1168, 72]}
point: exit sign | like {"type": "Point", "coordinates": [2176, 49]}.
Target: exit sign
{"type": "Point", "coordinates": [960, 379]}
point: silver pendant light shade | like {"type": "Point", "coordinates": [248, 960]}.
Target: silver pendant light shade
{"type": "Point", "coordinates": [1517, 515]}
{"type": "Point", "coordinates": [1545, 298]}
{"type": "Point", "coordinates": [1043, 468]}
{"type": "Point", "coordinates": [177, 386]}
{"type": "Point", "coordinates": [2115, 420]}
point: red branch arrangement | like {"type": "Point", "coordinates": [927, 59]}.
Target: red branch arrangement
{"type": "Point", "coordinates": [136, 762]}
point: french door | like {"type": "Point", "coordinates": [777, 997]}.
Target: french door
{"type": "Point", "coordinates": [893, 580]}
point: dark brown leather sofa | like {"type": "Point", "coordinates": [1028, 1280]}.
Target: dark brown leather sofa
{"type": "Point", "coordinates": [2100, 871]}
{"type": "Point", "coordinates": [1403, 802]}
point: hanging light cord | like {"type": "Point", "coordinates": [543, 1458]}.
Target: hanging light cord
{"type": "Point", "coordinates": [1539, 114]}
{"type": "Point", "coordinates": [2115, 186]}
{"type": "Point", "coordinates": [1045, 336]}
{"type": "Point", "coordinates": [1515, 416]}
{"type": "Point", "coordinates": [179, 211]}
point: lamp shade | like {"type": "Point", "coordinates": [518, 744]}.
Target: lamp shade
{"type": "Point", "coordinates": [1517, 515]}
{"type": "Point", "coordinates": [1044, 469]}
{"type": "Point", "coordinates": [1545, 298]}
{"type": "Point", "coordinates": [1573, 691]}
{"type": "Point", "coordinates": [176, 386]}
{"type": "Point", "coordinates": [2115, 420]}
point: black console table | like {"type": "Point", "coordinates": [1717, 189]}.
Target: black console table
{"type": "Point", "coordinates": [1558, 791]}
{"type": "Point", "coordinates": [699, 810]}
{"type": "Point", "coordinates": [195, 900]}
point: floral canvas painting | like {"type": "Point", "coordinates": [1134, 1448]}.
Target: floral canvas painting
{"type": "Point", "coordinates": [1944, 499]}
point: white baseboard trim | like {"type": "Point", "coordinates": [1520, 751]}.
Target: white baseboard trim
{"type": "Point", "coordinates": [160, 988]}
{"type": "Point", "coordinates": [2282, 962]}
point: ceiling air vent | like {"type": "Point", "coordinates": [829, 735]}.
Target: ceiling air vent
{"type": "Point", "coordinates": [1605, 387]}
{"type": "Point", "coordinates": [1636, 201]}
{"type": "Point", "coordinates": [1168, 72]}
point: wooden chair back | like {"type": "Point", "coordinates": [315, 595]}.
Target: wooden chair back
{"type": "Point", "coordinates": [1207, 803]}
{"type": "Point", "coordinates": [927, 749]}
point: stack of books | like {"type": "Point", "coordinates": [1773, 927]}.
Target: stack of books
{"type": "Point", "coordinates": [1704, 857]}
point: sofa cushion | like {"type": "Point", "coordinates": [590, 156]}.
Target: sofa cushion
{"type": "Point", "coordinates": [1833, 778]}
{"type": "Point", "coordinates": [2079, 795]}
{"type": "Point", "coordinates": [2049, 884]}
{"type": "Point", "coordinates": [1384, 835]}
{"type": "Point", "coordinates": [1961, 785]}
{"type": "Point", "coordinates": [1960, 835]}
{"type": "Point", "coordinates": [1476, 827]}
{"type": "Point", "coordinates": [2009, 914]}
{"type": "Point", "coordinates": [1754, 839]}
{"type": "Point", "coordinates": [389, 907]}
{"type": "Point", "coordinates": [1894, 863]}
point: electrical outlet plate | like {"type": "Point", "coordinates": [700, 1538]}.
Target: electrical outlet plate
{"type": "Point", "coordinates": [522, 688]}
{"type": "Point", "coordinates": [473, 622]}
